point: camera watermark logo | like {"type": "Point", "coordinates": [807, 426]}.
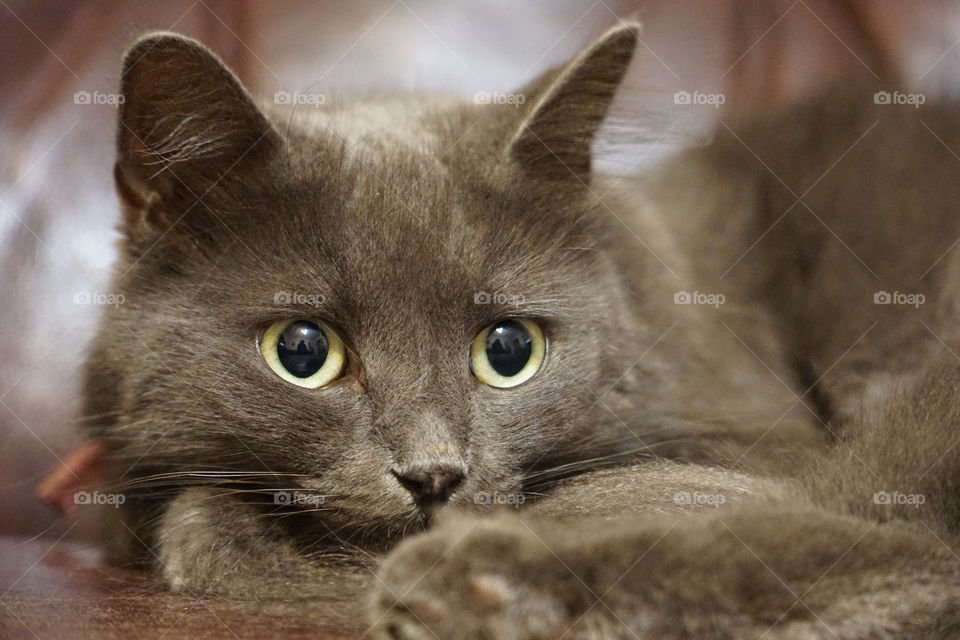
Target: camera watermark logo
{"type": "Point", "coordinates": [297, 298]}
{"type": "Point", "coordinates": [98, 98]}
{"type": "Point", "coordinates": [899, 98]}
{"type": "Point", "coordinates": [298, 499]}
{"type": "Point", "coordinates": [896, 498]}
{"type": "Point", "coordinates": [698, 297]}
{"type": "Point", "coordinates": [485, 297]}
{"type": "Point", "coordinates": [95, 497]}
{"type": "Point", "coordinates": [495, 97]}
{"type": "Point", "coordinates": [698, 98]}
{"type": "Point", "coordinates": [98, 298]}
{"type": "Point", "coordinates": [499, 499]}
{"type": "Point", "coordinates": [911, 299]}
{"type": "Point", "coordinates": [695, 498]}
{"type": "Point", "coordinates": [300, 99]}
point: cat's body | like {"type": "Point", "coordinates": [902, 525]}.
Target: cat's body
{"type": "Point", "coordinates": [392, 220]}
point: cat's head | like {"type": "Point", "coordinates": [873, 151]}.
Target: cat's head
{"type": "Point", "coordinates": [375, 307]}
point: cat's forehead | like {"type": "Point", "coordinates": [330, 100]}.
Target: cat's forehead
{"type": "Point", "coordinates": [378, 126]}
{"type": "Point", "coordinates": [380, 180]}
{"type": "Point", "coordinates": [395, 203]}
{"type": "Point", "coordinates": [386, 129]}
{"type": "Point", "coordinates": [404, 226]}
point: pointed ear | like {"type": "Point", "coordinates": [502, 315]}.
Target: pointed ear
{"type": "Point", "coordinates": [554, 140]}
{"type": "Point", "coordinates": [186, 122]}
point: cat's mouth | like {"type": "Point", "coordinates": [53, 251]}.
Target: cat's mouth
{"type": "Point", "coordinates": [427, 513]}
{"type": "Point", "coordinates": [408, 504]}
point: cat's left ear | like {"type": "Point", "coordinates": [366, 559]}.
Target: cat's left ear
{"type": "Point", "coordinates": [554, 141]}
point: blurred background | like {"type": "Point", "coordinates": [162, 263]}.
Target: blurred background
{"type": "Point", "coordinates": [60, 68]}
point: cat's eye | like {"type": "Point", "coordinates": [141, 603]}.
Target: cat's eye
{"type": "Point", "coordinates": [305, 353]}
{"type": "Point", "coordinates": [508, 353]}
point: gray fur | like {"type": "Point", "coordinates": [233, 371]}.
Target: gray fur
{"type": "Point", "coordinates": [785, 409]}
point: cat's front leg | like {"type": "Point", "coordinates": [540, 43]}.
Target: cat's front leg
{"type": "Point", "coordinates": [208, 541]}
{"type": "Point", "coordinates": [746, 573]}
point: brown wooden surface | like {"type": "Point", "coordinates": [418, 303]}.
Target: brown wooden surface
{"type": "Point", "coordinates": [61, 591]}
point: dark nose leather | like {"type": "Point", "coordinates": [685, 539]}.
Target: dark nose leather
{"type": "Point", "coordinates": [430, 485]}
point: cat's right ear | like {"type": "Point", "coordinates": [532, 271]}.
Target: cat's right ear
{"type": "Point", "coordinates": [186, 126]}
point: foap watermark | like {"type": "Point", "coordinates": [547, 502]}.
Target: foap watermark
{"type": "Point", "coordinates": [298, 298]}
{"type": "Point", "coordinates": [98, 298]}
{"type": "Point", "coordinates": [485, 297]}
{"type": "Point", "coordinates": [696, 498]}
{"type": "Point", "coordinates": [698, 98]}
{"type": "Point", "coordinates": [495, 97]}
{"type": "Point", "coordinates": [300, 99]}
{"type": "Point", "coordinates": [295, 498]}
{"type": "Point", "coordinates": [897, 297]}
{"type": "Point", "coordinates": [95, 497]}
{"type": "Point", "coordinates": [899, 98]}
{"type": "Point", "coordinates": [499, 499]}
{"type": "Point", "coordinates": [98, 98]}
{"type": "Point", "coordinates": [895, 497]}
{"type": "Point", "coordinates": [698, 297]}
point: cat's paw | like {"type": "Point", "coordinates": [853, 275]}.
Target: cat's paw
{"type": "Point", "coordinates": [473, 578]}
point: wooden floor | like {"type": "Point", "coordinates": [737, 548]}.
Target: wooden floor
{"type": "Point", "coordinates": [62, 592]}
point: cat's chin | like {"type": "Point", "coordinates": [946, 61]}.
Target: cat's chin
{"type": "Point", "coordinates": [380, 528]}
{"type": "Point", "coordinates": [368, 532]}
{"type": "Point", "coordinates": [364, 520]}
{"type": "Point", "coordinates": [378, 514]}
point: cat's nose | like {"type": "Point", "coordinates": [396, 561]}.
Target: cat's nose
{"type": "Point", "coordinates": [430, 485]}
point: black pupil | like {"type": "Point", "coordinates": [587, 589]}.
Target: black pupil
{"type": "Point", "coordinates": [302, 348]}
{"type": "Point", "coordinates": [508, 347]}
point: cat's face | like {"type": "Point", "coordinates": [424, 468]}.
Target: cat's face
{"type": "Point", "coordinates": [383, 253]}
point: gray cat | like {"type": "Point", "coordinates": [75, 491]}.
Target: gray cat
{"type": "Point", "coordinates": [717, 401]}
